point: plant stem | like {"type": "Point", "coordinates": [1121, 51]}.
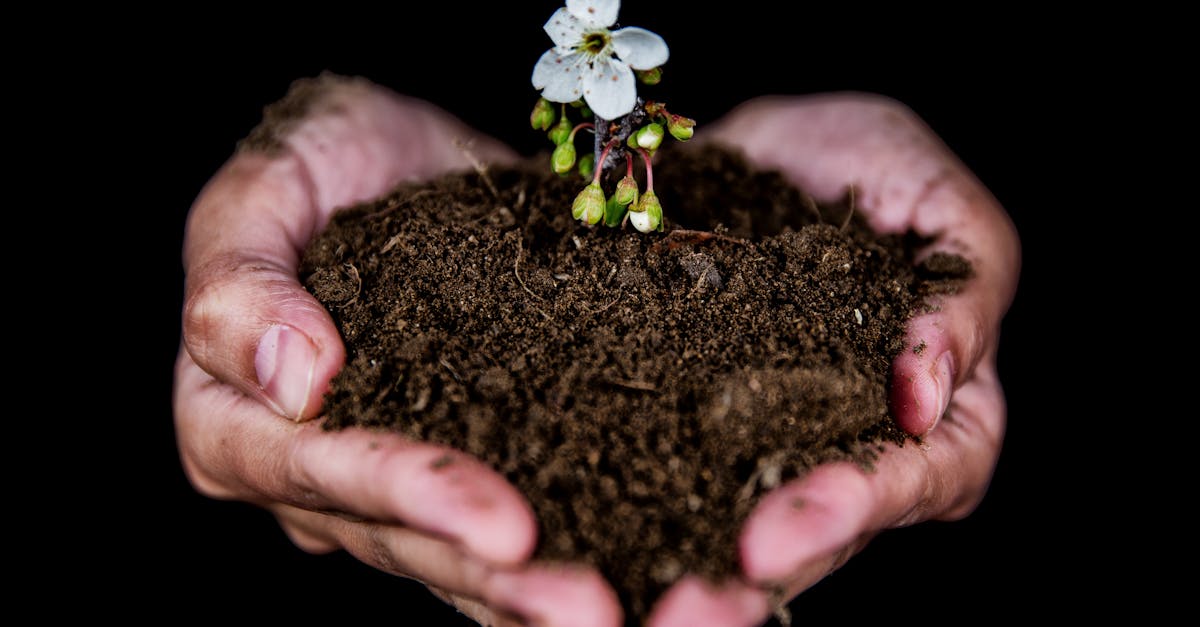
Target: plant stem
{"type": "Point", "coordinates": [598, 144]}
{"type": "Point", "coordinates": [600, 161]}
{"type": "Point", "coordinates": [649, 171]}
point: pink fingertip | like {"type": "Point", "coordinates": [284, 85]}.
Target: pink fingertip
{"type": "Point", "coordinates": [921, 391]}
{"type": "Point", "coordinates": [693, 601]}
{"type": "Point", "coordinates": [803, 521]}
{"type": "Point", "coordinates": [553, 596]}
{"type": "Point", "coordinates": [471, 503]}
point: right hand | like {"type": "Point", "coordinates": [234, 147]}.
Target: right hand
{"type": "Point", "coordinates": [259, 351]}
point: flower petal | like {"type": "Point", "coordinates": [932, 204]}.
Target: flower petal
{"type": "Point", "coordinates": [600, 12]}
{"type": "Point", "coordinates": [609, 88]}
{"type": "Point", "coordinates": [564, 29]}
{"type": "Point", "coordinates": [640, 48]}
{"type": "Point", "coordinates": [559, 76]}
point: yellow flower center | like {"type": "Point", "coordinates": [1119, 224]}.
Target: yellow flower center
{"type": "Point", "coordinates": [596, 43]}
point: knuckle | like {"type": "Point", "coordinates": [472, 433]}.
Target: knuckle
{"type": "Point", "coordinates": [305, 539]}
{"type": "Point", "coordinates": [207, 305]}
{"type": "Point", "coordinates": [202, 481]}
{"type": "Point", "coordinates": [224, 293]}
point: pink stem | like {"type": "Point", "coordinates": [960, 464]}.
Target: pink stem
{"type": "Point", "coordinates": [582, 126]}
{"type": "Point", "coordinates": [649, 172]}
{"type": "Point", "coordinates": [603, 155]}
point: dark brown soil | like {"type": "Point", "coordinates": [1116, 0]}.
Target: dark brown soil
{"type": "Point", "coordinates": [641, 390]}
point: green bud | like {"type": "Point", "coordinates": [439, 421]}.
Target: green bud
{"type": "Point", "coordinates": [655, 210]}
{"type": "Point", "coordinates": [627, 191]}
{"type": "Point", "coordinates": [650, 136]}
{"type": "Point", "coordinates": [563, 158]}
{"type": "Point", "coordinates": [587, 165]}
{"type": "Point", "coordinates": [561, 131]}
{"type": "Point", "coordinates": [648, 215]}
{"type": "Point", "coordinates": [651, 76]}
{"type": "Point", "coordinates": [632, 141]}
{"type": "Point", "coordinates": [614, 212]}
{"type": "Point", "coordinates": [543, 115]}
{"type": "Point", "coordinates": [681, 128]}
{"type": "Point", "coordinates": [589, 204]}
{"type": "Point", "coordinates": [583, 108]}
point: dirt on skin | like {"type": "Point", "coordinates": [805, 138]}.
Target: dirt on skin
{"type": "Point", "coordinates": [641, 390]}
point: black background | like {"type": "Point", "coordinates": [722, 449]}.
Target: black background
{"type": "Point", "coordinates": [1005, 92]}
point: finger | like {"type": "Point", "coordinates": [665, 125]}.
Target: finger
{"type": "Point", "coordinates": [542, 594]}
{"type": "Point", "coordinates": [233, 448]}
{"type": "Point", "coordinates": [556, 596]}
{"type": "Point", "coordinates": [456, 578]}
{"type": "Point", "coordinates": [907, 179]}
{"type": "Point", "coordinates": [393, 549]}
{"type": "Point", "coordinates": [247, 320]}
{"type": "Point", "coordinates": [942, 349]}
{"type": "Point", "coordinates": [476, 610]}
{"type": "Point", "coordinates": [693, 601]}
{"type": "Point", "coordinates": [835, 505]}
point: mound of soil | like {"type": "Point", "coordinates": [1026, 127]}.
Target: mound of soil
{"type": "Point", "coordinates": [641, 390]}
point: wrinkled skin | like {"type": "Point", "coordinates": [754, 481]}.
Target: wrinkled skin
{"type": "Point", "coordinates": [258, 352]}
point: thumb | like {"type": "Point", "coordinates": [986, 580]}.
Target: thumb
{"type": "Point", "coordinates": [247, 320]}
{"type": "Point", "coordinates": [940, 350]}
{"type": "Point", "coordinates": [329, 143]}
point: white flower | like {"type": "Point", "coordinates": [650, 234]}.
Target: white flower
{"type": "Point", "coordinates": [591, 62]}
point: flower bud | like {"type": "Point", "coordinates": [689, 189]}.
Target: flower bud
{"type": "Point", "coordinates": [589, 204]}
{"type": "Point", "coordinates": [563, 158]}
{"type": "Point", "coordinates": [650, 136]}
{"type": "Point", "coordinates": [587, 165]}
{"type": "Point", "coordinates": [681, 128]}
{"type": "Point", "coordinates": [648, 216]}
{"type": "Point", "coordinates": [543, 115]}
{"type": "Point", "coordinates": [651, 76]}
{"type": "Point", "coordinates": [561, 131]}
{"type": "Point", "coordinates": [584, 111]}
{"type": "Point", "coordinates": [613, 212]}
{"type": "Point", "coordinates": [627, 191]}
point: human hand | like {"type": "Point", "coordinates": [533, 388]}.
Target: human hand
{"type": "Point", "coordinates": [948, 393]}
{"type": "Point", "coordinates": [258, 353]}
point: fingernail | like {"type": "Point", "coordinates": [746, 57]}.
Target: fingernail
{"type": "Point", "coordinates": [285, 361]}
{"type": "Point", "coordinates": [942, 374]}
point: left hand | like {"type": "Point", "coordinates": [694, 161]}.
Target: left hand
{"type": "Point", "coordinates": [949, 393]}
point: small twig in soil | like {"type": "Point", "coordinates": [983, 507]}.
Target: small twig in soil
{"type": "Point", "coordinates": [700, 281]}
{"type": "Point", "coordinates": [811, 205]}
{"type": "Point", "coordinates": [480, 168]}
{"type": "Point", "coordinates": [352, 272]}
{"type": "Point", "coordinates": [445, 364]}
{"type": "Point", "coordinates": [634, 385]}
{"type": "Point", "coordinates": [605, 308]}
{"type": "Point", "coordinates": [517, 273]}
{"type": "Point", "coordinates": [779, 601]}
{"type": "Point", "coordinates": [394, 205]}
{"type": "Point", "coordinates": [767, 474]}
{"type": "Point", "coordinates": [852, 192]}
{"type": "Point", "coordinates": [679, 237]}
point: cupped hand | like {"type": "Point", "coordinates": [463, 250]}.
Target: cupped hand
{"type": "Point", "coordinates": [947, 393]}
{"type": "Point", "coordinates": [258, 353]}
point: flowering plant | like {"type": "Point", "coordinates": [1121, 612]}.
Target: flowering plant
{"type": "Point", "coordinates": [595, 70]}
